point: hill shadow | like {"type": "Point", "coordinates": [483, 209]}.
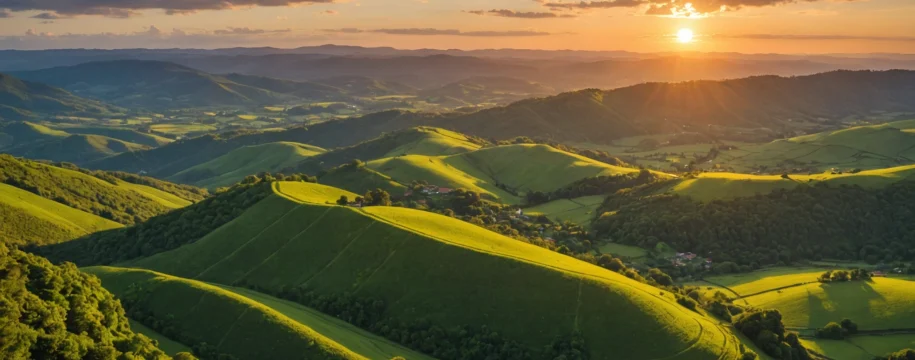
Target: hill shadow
{"type": "Point", "coordinates": [842, 300]}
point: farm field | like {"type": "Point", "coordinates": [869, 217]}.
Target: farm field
{"type": "Point", "coordinates": [579, 210]}
{"type": "Point", "coordinates": [861, 347]}
{"type": "Point", "coordinates": [181, 129]}
{"type": "Point", "coordinates": [623, 250]}
{"type": "Point", "coordinates": [374, 253]}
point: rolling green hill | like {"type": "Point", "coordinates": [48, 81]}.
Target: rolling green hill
{"type": "Point", "coordinates": [41, 142]}
{"type": "Point", "coordinates": [725, 186]}
{"type": "Point", "coordinates": [522, 168]}
{"type": "Point", "coordinates": [235, 165]}
{"type": "Point", "coordinates": [863, 147]}
{"type": "Point", "coordinates": [156, 84]}
{"type": "Point", "coordinates": [20, 100]}
{"type": "Point", "coordinates": [470, 276]}
{"type": "Point", "coordinates": [29, 219]}
{"type": "Point", "coordinates": [242, 323]}
{"type": "Point", "coordinates": [414, 141]}
{"type": "Point", "coordinates": [578, 210]}
{"type": "Point", "coordinates": [123, 134]}
{"type": "Point", "coordinates": [358, 178]}
{"type": "Point", "coordinates": [107, 196]}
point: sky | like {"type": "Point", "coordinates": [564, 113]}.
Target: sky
{"type": "Point", "coordinates": [745, 26]}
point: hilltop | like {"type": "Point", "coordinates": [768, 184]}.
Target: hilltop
{"type": "Point", "coordinates": [292, 240]}
{"type": "Point", "coordinates": [20, 100]}
{"type": "Point", "coordinates": [45, 204]}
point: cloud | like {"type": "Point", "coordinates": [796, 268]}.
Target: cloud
{"type": "Point", "coordinates": [330, 12]}
{"type": "Point", "coordinates": [128, 8]}
{"type": "Point", "coordinates": [521, 14]}
{"type": "Point", "coordinates": [673, 8]}
{"type": "Point", "coordinates": [441, 32]}
{"type": "Point", "coordinates": [4, 13]}
{"type": "Point", "coordinates": [248, 31]}
{"type": "Point", "coordinates": [49, 16]}
{"type": "Point", "coordinates": [818, 37]}
{"type": "Point", "coordinates": [155, 37]}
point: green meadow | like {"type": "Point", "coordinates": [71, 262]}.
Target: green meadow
{"type": "Point", "coordinates": [26, 218]}
{"type": "Point", "coordinates": [578, 210]}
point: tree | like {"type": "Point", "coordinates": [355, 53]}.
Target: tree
{"type": "Point", "coordinates": [831, 331]}
{"type": "Point", "coordinates": [377, 197]}
{"type": "Point", "coordinates": [344, 200]}
{"type": "Point", "coordinates": [660, 277]}
{"type": "Point", "coordinates": [849, 326]}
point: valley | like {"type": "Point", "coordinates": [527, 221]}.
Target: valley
{"type": "Point", "coordinates": [370, 203]}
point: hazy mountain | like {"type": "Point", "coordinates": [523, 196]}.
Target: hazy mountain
{"type": "Point", "coordinates": [23, 99]}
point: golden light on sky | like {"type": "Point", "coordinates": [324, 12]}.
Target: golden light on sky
{"type": "Point", "coordinates": [748, 26]}
{"type": "Point", "coordinates": [685, 36]}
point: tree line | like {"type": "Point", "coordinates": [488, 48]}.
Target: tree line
{"type": "Point", "coordinates": [806, 223]}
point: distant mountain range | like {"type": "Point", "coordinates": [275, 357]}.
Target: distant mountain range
{"type": "Point", "coordinates": [761, 106]}
{"type": "Point", "coordinates": [22, 99]}
{"type": "Point", "coordinates": [429, 68]}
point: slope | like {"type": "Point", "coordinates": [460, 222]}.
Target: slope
{"type": "Point", "coordinates": [242, 323]}
{"type": "Point", "coordinates": [358, 178]}
{"type": "Point", "coordinates": [21, 100]}
{"type": "Point", "coordinates": [235, 165]}
{"type": "Point", "coordinates": [41, 142]}
{"type": "Point", "coordinates": [722, 186]}
{"type": "Point", "coordinates": [862, 147]}
{"type": "Point", "coordinates": [29, 219]}
{"type": "Point", "coordinates": [521, 168]}
{"type": "Point", "coordinates": [152, 84]}
{"type": "Point", "coordinates": [469, 277]}
{"type": "Point", "coordinates": [123, 134]}
{"type": "Point", "coordinates": [413, 141]}
{"type": "Point", "coordinates": [97, 193]}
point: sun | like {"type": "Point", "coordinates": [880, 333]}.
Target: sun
{"type": "Point", "coordinates": [685, 36]}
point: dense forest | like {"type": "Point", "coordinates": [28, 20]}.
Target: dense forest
{"type": "Point", "coordinates": [809, 222]}
{"type": "Point", "coordinates": [58, 312]}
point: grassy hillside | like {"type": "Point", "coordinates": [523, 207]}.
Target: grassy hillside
{"type": "Point", "coordinates": [883, 303]}
{"type": "Point", "coordinates": [123, 134]}
{"type": "Point", "coordinates": [579, 210]}
{"type": "Point", "coordinates": [235, 165]}
{"type": "Point", "coordinates": [25, 99]}
{"type": "Point", "coordinates": [41, 142]}
{"type": "Point", "coordinates": [469, 276]}
{"type": "Point", "coordinates": [29, 219]}
{"type": "Point", "coordinates": [718, 186]}
{"type": "Point", "coordinates": [242, 323]}
{"type": "Point", "coordinates": [358, 178]}
{"type": "Point", "coordinates": [521, 168]}
{"type": "Point", "coordinates": [110, 198]}
{"type": "Point", "coordinates": [413, 141]}
{"type": "Point", "coordinates": [863, 147]}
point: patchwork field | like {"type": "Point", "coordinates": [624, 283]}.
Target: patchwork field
{"type": "Point", "coordinates": [471, 276]}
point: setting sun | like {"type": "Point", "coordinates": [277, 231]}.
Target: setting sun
{"type": "Point", "coordinates": [685, 36]}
